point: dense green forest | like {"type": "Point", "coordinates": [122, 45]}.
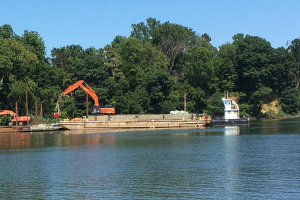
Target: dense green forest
{"type": "Point", "coordinates": [149, 71]}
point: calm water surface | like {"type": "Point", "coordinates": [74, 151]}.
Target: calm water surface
{"type": "Point", "coordinates": [261, 161]}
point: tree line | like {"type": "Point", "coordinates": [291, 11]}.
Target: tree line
{"type": "Point", "coordinates": [149, 71]}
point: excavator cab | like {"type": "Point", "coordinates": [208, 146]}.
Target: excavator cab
{"type": "Point", "coordinates": [108, 109]}
{"type": "Point", "coordinates": [96, 110]}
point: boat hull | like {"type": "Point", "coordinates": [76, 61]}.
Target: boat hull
{"type": "Point", "coordinates": [230, 122]}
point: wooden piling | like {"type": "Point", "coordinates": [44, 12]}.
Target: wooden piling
{"type": "Point", "coordinates": [87, 106]}
{"type": "Point", "coordinates": [36, 112]}
{"type": "Point", "coordinates": [185, 100]}
{"type": "Point", "coordinates": [41, 113]}
{"type": "Point", "coordinates": [17, 123]}
{"type": "Point", "coordinates": [27, 110]}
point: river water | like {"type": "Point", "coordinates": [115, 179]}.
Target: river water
{"type": "Point", "coordinates": [260, 161]}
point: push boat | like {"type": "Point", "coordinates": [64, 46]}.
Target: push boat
{"type": "Point", "coordinates": [231, 115]}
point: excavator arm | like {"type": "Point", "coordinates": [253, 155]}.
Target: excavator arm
{"type": "Point", "coordinates": [91, 92]}
{"type": "Point", "coordinates": [87, 89]}
{"type": "Point", "coordinates": [72, 87]}
{"type": "Point", "coordinates": [7, 112]}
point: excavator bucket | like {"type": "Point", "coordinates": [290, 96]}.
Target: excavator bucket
{"type": "Point", "coordinates": [57, 113]}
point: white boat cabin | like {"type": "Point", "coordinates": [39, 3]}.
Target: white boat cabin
{"type": "Point", "coordinates": [231, 109]}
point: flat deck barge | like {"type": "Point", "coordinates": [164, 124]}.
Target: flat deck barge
{"type": "Point", "coordinates": [159, 121]}
{"type": "Point", "coordinates": [7, 129]}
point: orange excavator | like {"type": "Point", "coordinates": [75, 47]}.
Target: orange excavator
{"type": "Point", "coordinates": [21, 119]}
{"type": "Point", "coordinates": [97, 110]}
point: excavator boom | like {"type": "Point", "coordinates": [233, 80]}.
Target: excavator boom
{"type": "Point", "coordinates": [73, 87]}
{"type": "Point", "coordinates": [85, 87]}
{"type": "Point", "coordinates": [91, 92]}
{"type": "Point", "coordinates": [7, 112]}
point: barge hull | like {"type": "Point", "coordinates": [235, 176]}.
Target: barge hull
{"type": "Point", "coordinates": [136, 122]}
{"type": "Point", "coordinates": [131, 125]}
{"type": "Point", "coordinates": [6, 129]}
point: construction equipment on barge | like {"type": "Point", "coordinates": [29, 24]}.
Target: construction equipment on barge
{"type": "Point", "coordinates": [21, 120]}
{"type": "Point", "coordinates": [97, 109]}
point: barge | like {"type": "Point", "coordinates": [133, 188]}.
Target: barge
{"type": "Point", "coordinates": [155, 121]}
{"type": "Point", "coordinates": [6, 129]}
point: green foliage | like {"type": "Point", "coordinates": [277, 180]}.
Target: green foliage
{"type": "Point", "coordinates": [290, 101]}
{"type": "Point", "coordinates": [6, 31]}
{"type": "Point", "coordinates": [68, 108]}
{"type": "Point", "coordinates": [4, 120]}
{"type": "Point", "coordinates": [158, 85]}
{"type": "Point", "coordinates": [143, 31]}
{"type": "Point", "coordinates": [227, 73]}
{"type": "Point", "coordinates": [252, 61]}
{"type": "Point", "coordinates": [200, 67]}
{"type": "Point", "coordinates": [215, 105]}
{"type": "Point", "coordinates": [18, 94]}
{"type": "Point", "coordinates": [282, 70]}
{"type": "Point", "coordinates": [172, 102]}
{"type": "Point", "coordinates": [294, 48]}
{"type": "Point", "coordinates": [258, 98]}
{"type": "Point", "coordinates": [172, 39]}
{"type": "Point", "coordinates": [44, 120]}
{"type": "Point", "coordinates": [244, 109]}
{"type": "Point", "coordinates": [196, 99]}
{"type": "Point", "coordinates": [49, 100]}
{"type": "Point", "coordinates": [34, 44]}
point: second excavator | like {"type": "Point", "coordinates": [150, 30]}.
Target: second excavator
{"type": "Point", "coordinates": [21, 120]}
{"type": "Point", "coordinates": [97, 110]}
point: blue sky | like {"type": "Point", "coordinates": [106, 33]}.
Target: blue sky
{"type": "Point", "coordinates": [96, 22]}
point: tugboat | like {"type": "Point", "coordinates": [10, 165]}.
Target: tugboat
{"type": "Point", "coordinates": [231, 115]}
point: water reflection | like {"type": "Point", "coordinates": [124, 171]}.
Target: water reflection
{"type": "Point", "coordinates": [232, 130]}
{"type": "Point", "coordinates": [14, 140]}
{"type": "Point", "coordinates": [231, 159]}
{"type": "Point", "coordinates": [50, 139]}
{"type": "Point", "coordinates": [75, 138]}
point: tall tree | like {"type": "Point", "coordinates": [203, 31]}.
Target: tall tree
{"type": "Point", "coordinates": [144, 31]}
{"type": "Point", "coordinates": [294, 47]}
{"type": "Point", "coordinates": [34, 42]}
{"type": "Point", "coordinates": [199, 69]}
{"type": "Point", "coordinates": [252, 62]}
{"type": "Point", "coordinates": [227, 72]}
{"type": "Point", "coordinates": [173, 39]}
{"type": "Point", "coordinates": [282, 70]}
{"type": "Point", "coordinates": [22, 60]}
{"type": "Point", "coordinates": [6, 31]}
